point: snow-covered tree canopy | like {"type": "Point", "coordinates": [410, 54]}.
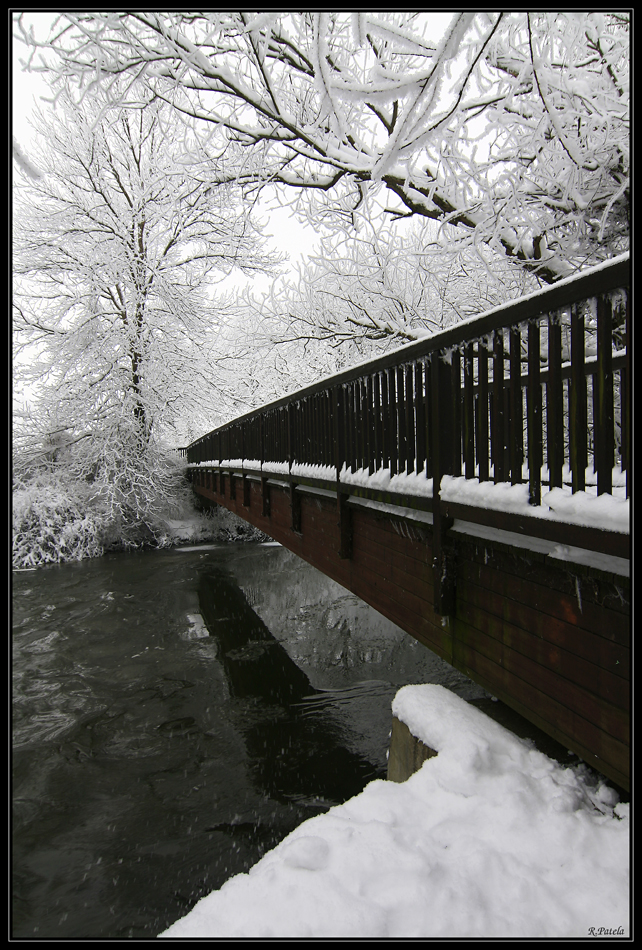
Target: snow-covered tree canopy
{"type": "Point", "coordinates": [513, 126]}
{"type": "Point", "coordinates": [388, 284]}
{"type": "Point", "coordinates": [115, 250]}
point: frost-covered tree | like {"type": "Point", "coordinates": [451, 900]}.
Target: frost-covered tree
{"type": "Point", "coordinates": [117, 333]}
{"type": "Point", "coordinates": [514, 127]}
{"type": "Point", "coordinates": [386, 285]}
{"type": "Point", "coordinates": [115, 250]}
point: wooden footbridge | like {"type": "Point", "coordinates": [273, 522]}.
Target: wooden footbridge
{"type": "Point", "coordinates": [473, 488]}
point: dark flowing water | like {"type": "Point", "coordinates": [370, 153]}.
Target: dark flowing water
{"type": "Point", "coordinates": [175, 715]}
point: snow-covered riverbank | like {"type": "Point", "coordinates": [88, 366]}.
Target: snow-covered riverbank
{"type": "Point", "coordinates": [490, 838]}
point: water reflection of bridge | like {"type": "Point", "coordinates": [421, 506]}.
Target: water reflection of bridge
{"type": "Point", "coordinates": [508, 572]}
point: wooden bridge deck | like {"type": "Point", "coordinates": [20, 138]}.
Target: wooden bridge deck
{"type": "Point", "coordinates": [500, 595]}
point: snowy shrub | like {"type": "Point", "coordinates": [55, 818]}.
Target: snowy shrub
{"type": "Point", "coordinates": [53, 522]}
{"type": "Point", "coordinates": [131, 501]}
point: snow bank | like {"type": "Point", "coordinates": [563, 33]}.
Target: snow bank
{"type": "Point", "coordinates": [490, 838]}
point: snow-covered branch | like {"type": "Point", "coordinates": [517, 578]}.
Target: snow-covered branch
{"type": "Point", "coordinates": [514, 128]}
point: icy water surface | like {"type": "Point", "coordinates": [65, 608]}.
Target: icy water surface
{"type": "Point", "coordinates": [175, 715]}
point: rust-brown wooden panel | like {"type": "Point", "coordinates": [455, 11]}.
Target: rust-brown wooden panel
{"type": "Point", "coordinates": [411, 572]}
{"type": "Point", "coordinates": [601, 750]}
{"type": "Point", "coordinates": [610, 591]}
{"type": "Point", "coordinates": [514, 648]}
{"type": "Point", "coordinates": [554, 635]}
{"type": "Point", "coordinates": [545, 600]}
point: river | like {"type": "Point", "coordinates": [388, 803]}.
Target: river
{"type": "Point", "coordinates": [176, 714]}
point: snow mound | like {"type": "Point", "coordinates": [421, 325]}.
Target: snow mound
{"type": "Point", "coordinates": [489, 839]}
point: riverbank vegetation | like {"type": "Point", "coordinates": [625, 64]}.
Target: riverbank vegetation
{"type": "Point", "coordinates": [117, 333]}
{"type": "Point", "coordinates": [60, 516]}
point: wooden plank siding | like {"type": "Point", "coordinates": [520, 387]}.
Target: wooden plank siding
{"type": "Point", "coordinates": [549, 638]}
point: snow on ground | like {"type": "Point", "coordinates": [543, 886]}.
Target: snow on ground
{"type": "Point", "coordinates": [490, 838]}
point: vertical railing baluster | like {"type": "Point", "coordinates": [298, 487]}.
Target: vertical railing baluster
{"type": "Point", "coordinates": [577, 407]}
{"type": "Point", "coordinates": [534, 417]}
{"type": "Point", "coordinates": [392, 419]}
{"type": "Point", "coordinates": [354, 424]}
{"type": "Point", "coordinates": [482, 413]}
{"type": "Point", "coordinates": [591, 406]}
{"type": "Point", "coordinates": [369, 424]}
{"type": "Point", "coordinates": [626, 403]}
{"type": "Point", "coordinates": [329, 417]}
{"type": "Point", "coordinates": [468, 421]}
{"type": "Point", "coordinates": [554, 404]}
{"type": "Point", "coordinates": [401, 421]}
{"type": "Point", "coordinates": [428, 416]}
{"type": "Point", "coordinates": [603, 389]}
{"type": "Point", "coordinates": [420, 413]}
{"type": "Point", "coordinates": [376, 396]}
{"type": "Point", "coordinates": [361, 426]}
{"type": "Point", "coordinates": [299, 424]}
{"type": "Point", "coordinates": [625, 400]}
{"type": "Point", "coordinates": [347, 415]}
{"type": "Point", "coordinates": [338, 430]}
{"type": "Point", "coordinates": [273, 442]}
{"type": "Point", "coordinates": [455, 411]}
{"type": "Point", "coordinates": [498, 407]}
{"type": "Point", "coordinates": [304, 414]}
{"type": "Point", "coordinates": [515, 412]}
{"type": "Point", "coordinates": [385, 419]}
{"type": "Point", "coordinates": [410, 422]}
{"type": "Point", "coordinates": [324, 428]}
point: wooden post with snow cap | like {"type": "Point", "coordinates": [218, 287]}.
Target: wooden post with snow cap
{"type": "Point", "coordinates": [339, 434]}
{"type": "Point", "coordinates": [442, 455]}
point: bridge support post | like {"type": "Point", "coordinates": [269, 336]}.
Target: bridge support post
{"type": "Point", "coordinates": [443, 568]}
{"type": "Point", "coordinates": [444, 448]}
{"type": "Point", "coordinates": [345, 525]}
{"type": "Point", "coordinates": [265, 497]}
{"type": "Point", "coordinates": [295, 507]}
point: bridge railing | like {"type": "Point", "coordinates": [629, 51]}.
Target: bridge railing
{"type": "Point", "coordinates": [536, 391]}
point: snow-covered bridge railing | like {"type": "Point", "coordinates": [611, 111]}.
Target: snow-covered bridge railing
{"type": "Point", "coordinates": [536, 393]}
{"type": "Point", "coordinates": [516, 570]}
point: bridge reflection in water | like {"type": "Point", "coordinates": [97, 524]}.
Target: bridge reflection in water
{"type": "Point", "coordinates": [533, 608]}
{"type": "Point", "coordinates": [259, 669]}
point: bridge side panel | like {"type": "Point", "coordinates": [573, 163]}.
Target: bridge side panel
{"type": "Point", "coordinates": [549, 639]}
{"type": "Point", "coordinates": [553, 642]}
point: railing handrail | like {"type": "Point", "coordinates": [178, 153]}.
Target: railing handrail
{"type": "Point", "coordinates": [601, 279]}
